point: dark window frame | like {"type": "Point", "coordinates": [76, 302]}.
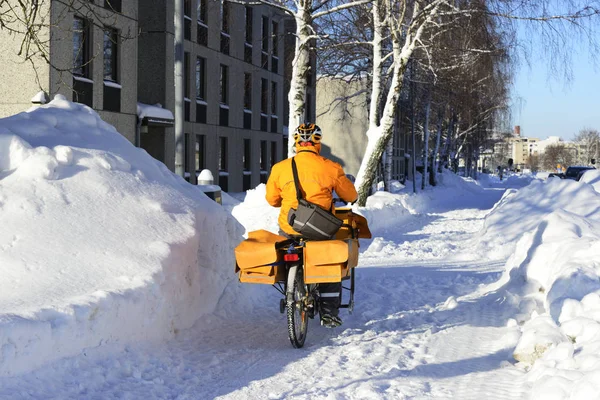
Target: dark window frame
{"type": "Point", "coordinates": [81, 55]}
{"type": "Point", "coordinates": [200, 153]}
{"type": "Point", "coordinates": [111, 36]}
{"type": "Point", "coordinates": [224, 84]}
{"type": "Point", "coordinates": [274, 98]}
{"type": "Point", "coordinates": [275, 38]}
{"type": "Point", "coordinates": [249, 24]}
{"type": "Point", "coordinates": [223, 153]}
{"type": "Point", "coordinates": [200, 78]}
{"type": "Point", "coordinates": [264, 96]}
{"type": "Point", "coordinates": [248, 91]}
{"type": "Point", "coordinates": [247, 157]}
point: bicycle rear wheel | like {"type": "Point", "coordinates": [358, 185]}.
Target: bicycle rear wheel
{"type": "Point", "coordinates": [297, 315]}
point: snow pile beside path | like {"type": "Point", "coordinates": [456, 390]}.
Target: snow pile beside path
{"type": "Point", "coordinates": [101, 245]}
{"type": "Point", "coordinates": [555, 271]}
{"type": "Point", "coordinates": [552, 230]}
{"type": "Point", "coordinates": [255, 213]}
{"type": "Point", "coordinates": [511, 181]}
{"type": "Point", "coordinates": [521, 211]}
{"type": "Point", "coordinates": [592, 177]}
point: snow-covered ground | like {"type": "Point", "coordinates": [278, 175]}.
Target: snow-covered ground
{"type": "Point", "coordinates": [118, 282]}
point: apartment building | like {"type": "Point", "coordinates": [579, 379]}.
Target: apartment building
{"type": "Point", "coordinates": [233, 86]}
{"type": "Point", "coordinates": [93, 57]}
{"type": "Point", "coordinates": [117, 56]}
{"type": "Point", "coordinates": [345, 124]}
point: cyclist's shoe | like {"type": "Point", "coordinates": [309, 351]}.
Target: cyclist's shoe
{"type": "Point", "coordinates": [330, 321]}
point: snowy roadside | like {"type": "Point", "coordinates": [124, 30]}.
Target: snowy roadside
{"type": "Point", "coordinates": [101, 246]}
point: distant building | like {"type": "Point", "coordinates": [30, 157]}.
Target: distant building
{"type": "Point", "coordinates": [345, 124]}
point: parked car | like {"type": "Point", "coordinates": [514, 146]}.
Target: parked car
{"type": "Point", "coordinates": [556, 175]}
{"type": "Point", "coordinates": [580, 175]}
{"type": "Point", "coordinates": [575, 173]}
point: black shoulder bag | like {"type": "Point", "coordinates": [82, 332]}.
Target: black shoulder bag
{"type": "Point", "coordinates": [310, 220]}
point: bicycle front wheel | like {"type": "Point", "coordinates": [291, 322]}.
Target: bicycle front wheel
{"type": "Point", "coordinates": [297, 315]}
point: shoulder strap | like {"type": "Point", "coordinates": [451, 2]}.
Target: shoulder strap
{"type": "Point", "coordinates": [296, 181]}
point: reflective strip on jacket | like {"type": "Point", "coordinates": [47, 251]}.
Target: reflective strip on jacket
{"type": "Point", "coordinates": [318, 178]}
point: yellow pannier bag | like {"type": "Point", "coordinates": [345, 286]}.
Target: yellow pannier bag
{"type": "Point", "coordinates": [354, 226]}
{"type": "Point", "coordinates": [329, 261]}
{"type": "Point", "coordinates": [257, 259]}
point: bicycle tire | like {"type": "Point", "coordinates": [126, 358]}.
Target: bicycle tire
{"type": "Point", "coordinates": [297, 316]}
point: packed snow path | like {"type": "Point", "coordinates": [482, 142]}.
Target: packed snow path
{"type": "Point", "coordinates": [427, 324]}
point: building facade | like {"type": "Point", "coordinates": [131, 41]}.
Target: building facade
{"type": "Point", "coordinates": [345, 123]}
{"type": "Point", "coordinates": [92, 61]}
{"type": "Point", "coordinates": [116, 56]}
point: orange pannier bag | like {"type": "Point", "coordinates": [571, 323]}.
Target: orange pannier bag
{"type": "Point", "coordinates": [257, 259]}
{"type": "Point", "coordinates": [327, 261]}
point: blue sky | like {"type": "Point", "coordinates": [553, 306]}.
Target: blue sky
{"type": "Point", "coordinates": [549, 107]}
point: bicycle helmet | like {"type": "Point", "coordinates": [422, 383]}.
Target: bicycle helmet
{"type": "Point", "coordinates": [307, 132]}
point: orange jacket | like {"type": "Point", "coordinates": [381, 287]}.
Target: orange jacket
{"type": "Point", "coordinates": [318, 176]}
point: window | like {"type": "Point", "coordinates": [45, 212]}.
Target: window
{"type": "Point", "coordinates": [202, 11]}
{"type": "Point", "coordinates": [264, 57]}
{"type": "Point", "coordinates": [264, 96]}
{"type": "Point", "coordinates": [200, 78]}
{"type": "Point", "coordinates": [201, 105]}
{"type": "Point", "coordinates": [199, 155]}
{"type": "Point", "coordinates": [247, 151]}
{"type": "Point", "coordinates": [225, 37]}
{"type": "Point", "coordinates": [275, 39]}
{"type": "Point", "coordinates": [83, 87]}
{"type": "Point", "coordinates": [187, 19]}
{"type": "Point", "coordinates": [263, 155]}
{"type": "Point", "coordinates": [186, 85]}
{"type": "Point", "coordinates": [110, 55]}
{"type": "Point", "coordinates": [186, 161]}
{"type": "Point", "coordinates": [224, 85]}
{"type": "Point", "coordinates": [114, 5]}
{"type": "Point", "coordinates": [202, 34]}
{"type": "Point", "coordinates": [81, 56]}
{"type": "Point", "coordinates": [265, 34]}
{"type": "Point", "coordinates": [264, 104]}
{"type": "Point", "coordinates": [248, 91]}
{"type": "Point", "coordinates": [275, 47]}
{"type": "Point", "coordinates": [112, 90]}
{"type": "Point", "coordinates": [248, 43]}
{"type": "Point", "coordinates": [224, 96]}
{"type": "Point", "coordinates": [249, 25]}
{"type": "Point", "coordinates": [274, 98]}
{"type": "Point", "coordinates": [263, 161]}
{"type": "Point", "coordinates": [225, 12]}
{"type": "Point", "coordinates": [274, 117]}
{"type": "Point", "coordinates": [247, 120]}
{"type": "Point", "coordinates": [247, 173]}
{"type": "Point", "coordinates": [223, 175]}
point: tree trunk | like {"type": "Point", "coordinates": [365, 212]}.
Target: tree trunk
{"type": "Point", "coordinates": [387, 165]}
{"type": "Point", "coordinates": [437, 148]}
{"type": "Point", "coordinates": [300, 68]}
{"type": "Point", "coordinates": [426, 143]}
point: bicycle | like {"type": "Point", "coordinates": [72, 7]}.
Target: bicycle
{"type": "Point", "coordinates": [296, 266]}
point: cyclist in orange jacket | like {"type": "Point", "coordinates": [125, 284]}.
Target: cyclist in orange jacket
{"type": "Point", "coordinates": [318, 177]}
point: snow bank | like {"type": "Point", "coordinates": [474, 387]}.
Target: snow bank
{"type": "Point", "coordinates": [521, 211]}
{"type": "Point", "coordinates": [255, 213]}
{"type": "Point", "coordinates": [101, 246]}
{"type": "Point", "coordinates": [553, 275]}
{"type": "Point", "coordinates": [511, 181]}
{"type": "Point", "coordinates": [592, 177]}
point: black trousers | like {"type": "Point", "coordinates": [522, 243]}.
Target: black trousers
{"type": "Point", "coordinates": [330, 297]}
